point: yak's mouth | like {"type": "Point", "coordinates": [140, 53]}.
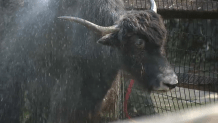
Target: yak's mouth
{"type": "Point", "coordinates": [164, 87]}
{"type": "Point", "coordinates": [170, 86]}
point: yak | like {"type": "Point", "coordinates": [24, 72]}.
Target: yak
{"type": "Point", "coordinates": [61, 71]}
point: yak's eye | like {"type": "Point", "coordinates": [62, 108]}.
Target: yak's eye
{"type": "Point", "coordinates": [140, 43]}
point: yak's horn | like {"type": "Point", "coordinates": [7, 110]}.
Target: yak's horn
{"type": "Point", "coordinates": [96, 28]}
{"type": "Point", "coordinates": [153, 6]}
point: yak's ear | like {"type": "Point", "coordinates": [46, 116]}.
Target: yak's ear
{"type": "Point", "coordinates": [109, 40]}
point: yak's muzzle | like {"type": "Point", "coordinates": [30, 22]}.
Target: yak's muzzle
{"type": "Point", "coordinates": [167, 81]}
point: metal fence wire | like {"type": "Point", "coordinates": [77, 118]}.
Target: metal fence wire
{"type": "Point", "coordinates": [192, 51]}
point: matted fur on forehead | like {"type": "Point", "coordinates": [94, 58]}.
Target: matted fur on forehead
{"type": "Point", "coordinates": [144, 23]}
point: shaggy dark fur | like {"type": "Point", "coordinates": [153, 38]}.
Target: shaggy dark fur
{"type": "Point", "coordinates": [147, 24]}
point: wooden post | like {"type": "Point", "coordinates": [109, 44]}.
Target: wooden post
{"type": "Point", "coordinates": [110, 104]}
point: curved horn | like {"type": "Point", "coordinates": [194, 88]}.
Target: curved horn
{"type": "Point", "coordinates": [96, 28]}
{"type": "Point", "coordinates": [153, 6]}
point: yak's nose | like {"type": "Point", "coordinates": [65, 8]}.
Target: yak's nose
{"type": "Point", "coordinates": [168, 80]}
{"type": "Point", "coordinates": [171, 81]}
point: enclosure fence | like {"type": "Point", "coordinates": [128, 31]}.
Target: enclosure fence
{"type": "Point", "coordinates": [191, 48]}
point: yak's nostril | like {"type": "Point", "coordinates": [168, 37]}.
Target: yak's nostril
{"type": "Point", "coordinates": [171, 86]}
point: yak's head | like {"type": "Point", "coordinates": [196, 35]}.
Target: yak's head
{"type": "Point", "coordinates": [140, 37]}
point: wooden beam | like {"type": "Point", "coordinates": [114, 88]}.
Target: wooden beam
{"type": "Point", "coordinates": [186, 14]}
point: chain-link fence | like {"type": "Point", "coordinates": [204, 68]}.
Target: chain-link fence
{"type": "Point", "coordinates": [192, 51]}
